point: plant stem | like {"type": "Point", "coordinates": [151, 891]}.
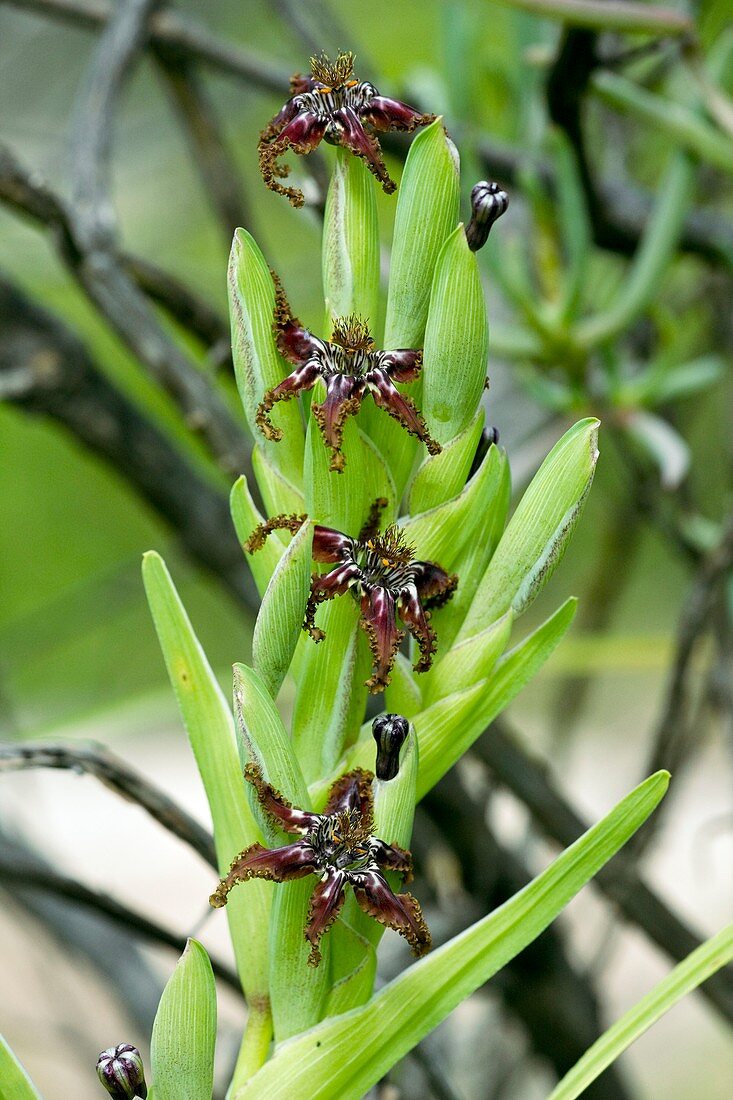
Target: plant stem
{"type": "Point", "coordinates": [255, 1044]}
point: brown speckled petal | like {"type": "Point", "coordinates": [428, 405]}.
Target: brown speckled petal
{"type": "Point", "coordinates": [378, 620]}
{"type": "Point", "coordinates": [401, 912]}
{"type": "Point", "coordinates": [276, 864]}
{"type": "Point", "coordinates": [325, 905]}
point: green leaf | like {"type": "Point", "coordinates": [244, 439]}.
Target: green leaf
{"type": "Point", "coordinates": [688, 975]}
{"type": "Point", "coordinates": [246, 517]}
{"type": "Point", "coordinates": [342, 500]}
{"type": "Point", "coordinates": [456, 341]}
{"type": "Point", "coordinates": [298, 991]}
{"type": "Point", "coordinates": [468, 662]}
{"type": "Point", "coordinates": [184, 1030]}
{"type": "Point", "coordinates": [539, 531]}
{"type": "Point", "coordinates": [676, 383]}
{"type": "Point", "coordinates": [280, 619]}
{"type": "Point", "coordinates": [660, 442]}
{"type": "Point", "coordinates": [210, 728]}
{"type": "Point", "coordinates": [257, 364]}
{"type": "Point", "coordinates": [439, 477]}
{"type": "Point", "coordinates": [15, 1084]}
{"type": "Point", "coordinates": [278, 493]}
{"type": "Point", "coordinates": [449, 727]}
{"type": "Point", "coordinates": [329, 704]}
{"type": "Point", "coordinates": [326, 1063]}
{"type": "Point", "coordinates": [404, 693]}
{"type": "Point", "coordinates": [427, 212]}
{"type": "Point", "coordinates": [632, 18]}
{"type": "Point", "coordinates": [575, 227]}
{"type": "Point", "coordinates": [350, 255]}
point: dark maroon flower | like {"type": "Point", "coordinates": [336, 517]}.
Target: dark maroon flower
{"type": "Point", "coordinates": [351, 367]}
{"type": "Point", "coordinates": [383, 575]}
{"type": "Point", "coordinates": [331, 105]}
{"type": "Point", "coordinates": [338, 846]}
{"type": "Point", "coordinates": [120, 1069]}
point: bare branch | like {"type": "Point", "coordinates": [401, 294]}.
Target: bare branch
{"type": "Point", "coordinates": [528, 779]}
{"type": "Point", "coordinates": [97, 760]}
{"type": "Point", "coordinates": [45, 369]}
{"type": "Point", "coordinates": [32, 876]}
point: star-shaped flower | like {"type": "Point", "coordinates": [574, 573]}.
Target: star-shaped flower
{"type": "Point", "coordinates": [331, 105]}
{"type": "Point", "coordinates": [339, 848]}
{"type": "Point", "coordinates": [382, 574]}
{"type": "Point", "coordinates": [351, 367]}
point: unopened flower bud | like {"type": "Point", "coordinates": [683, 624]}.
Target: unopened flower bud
{"type": "Point", "coordinates": [121, 1071]}
{"type": "Point", "coordinates": [389, 731]}
{"type": "Point", "coordinates": [488, 203]}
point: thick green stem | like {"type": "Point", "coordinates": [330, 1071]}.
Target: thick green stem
{"type": "Point", "coordinates": [255, 1044]}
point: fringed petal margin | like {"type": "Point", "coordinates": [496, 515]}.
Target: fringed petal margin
{"type": "Point", "coordinates": [296, 383]}
{"type": "Point", "coordinates": [378, 620]}
{"type": "Point", "coordinates": [401, 912]}
{"type": "Point", "coordinates": [434, 586]}
{"type": "Point", "coordinates": [417, 621]}
{"type": "Point", "coordinates": [262, 532]}
{"type": "Point", "coordinates": [344, 393]}
{"type": "Point", "coordinates": [302, 134]}
{"type": "Point", "coordinates": [402, 408]}
{"type": "Point", "coordinates": [325, 587]}
{"type": "Point", "coordinates": [384, 114]}
{"type": "Point", "coordinates": [325, 906]}
{"type": "Point", "coordinates": [354, 137]}
{"type": "Point", "coordinates": [390, 857]}
{"type": "Point", "coordinates": [401, 365]}
{"type": "Point", "coordinates": [352, 791]}
{"type": "Point", "coordinates": [276, 864]}
{"type": "Point", "coordinates": [277, 808]}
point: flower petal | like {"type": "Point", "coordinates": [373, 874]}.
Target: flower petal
{"type": "Point", "coordinates": [417, 621]}
{"type": "Point", "coordinates": [401, 912]}
{"type": "Point", "coordinates": [325, 905]}
{"type": "Point", "coordinates": [302, 379]}
{"type": "Point", "coordinates": [388, 397]}
{"type": "Point", "coordinates": [277, 864]}
{"type": "Point", "coordinates": [434, 586]}
{"type": "Point", "coordinates": [324, 587]}
{"type": "Point", "coordinates": [390, 857]}
{"type": "Point", "coordinates": [402, 365]}
{"type": "Point", "coordinates": [352, 791]}
{"type": "Point", "coordinates": [330, 545]}
{"type": "Point", "coordinates": [390, 114]}
{"type": "Point", "coordinates": [262, 531]}
{"type": "Point", "coordinates": [378, 620]}
{"type": "Point", "coordinates": [301, 134]}
{"type": "Point", "coordinates": [343, 399]}
{"type": "Point", "coordinates": [278, 809]}
{"type": "Point", "coordinates": [353, 135]}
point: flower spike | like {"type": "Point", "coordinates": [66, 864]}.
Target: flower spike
{"type": "Point", "coordinates": [338, 847]}
{"type": "Point", "coordinates": [351, 368]}
{"type": "Point", "coordinates": [332, 105]}
{"type": "Point", "coordinates": [382, 574]}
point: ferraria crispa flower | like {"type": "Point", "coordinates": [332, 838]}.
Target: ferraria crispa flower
{"type": "Point", "coordinates": [331, 105]}
{"type": "Point", "coordinates": [351, 367]}
{"type": "Point", "coordinates": [337, 846]}
{"type": "Point", "coordinates": [382, 574]}
{"type": "Point", "coordinates": [120, 1069]}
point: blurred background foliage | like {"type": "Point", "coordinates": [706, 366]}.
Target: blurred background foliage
{"type": "Point", "coordinates": [77, 649]}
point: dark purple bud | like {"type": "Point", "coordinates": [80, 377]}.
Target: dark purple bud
{"type": "Point", "coordinates": [120, 1069]}
{"type": "Point", "coordinates": [488, 203]}
{"type": "Point", "coordinates": [389, 731]}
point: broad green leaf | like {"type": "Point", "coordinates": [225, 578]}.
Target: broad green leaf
{"type": "Point", "coordinates": [427, 212]}
{"type": "Point", "coordinates": [688, 975]}
{"type": "Point", "coordinates": [278, 492]}
{"type": "Point", "coordinates": [350, 255]}
{"type": "Point", "coordinates": [468, 662]}
{"type": "Point", "coordinates": [632, 18]}
{"type": "Point", "coordinates": [297, 991]}
{"type": "Point", "coordinates": [575, 227]}
{"type": "Point", "coordinates": [353, 968]}
{"type": "Point", "coordinates": [15, 1084]}
{"type": "Point", "coordinates": [456, 342]}
{"type": "Point", "coordinates": [539, 531]}
{"type": "Point", "coordinates": [330, 688]}
{"type": "Point", "coordinates": [327, 1064]}
{"type": "Point", "coordinates": [342, 500]}
{"type": "Point", "coordinates": [280, 618]}
{"type": "Point", "coordinates": [210, 728]}
{"type": "Point", "coordinates": [246, 517]}
{"type": "Point", "coordinates": [448, 729]}
{"type": "Point", "coordinates": [257, 363]}
{"type": "Point", "coordinates": [442, 533]}
{"type": "Point", "coordinates": [440, 477]}
{"type": "Point", "coordinates": [404, 694]}
{"type": "Point", "coordinates": [184, 1030]}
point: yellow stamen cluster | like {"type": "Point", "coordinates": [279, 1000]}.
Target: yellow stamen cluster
{"type": "Point", "coordinates": [352, 333]}
{"type": "Point", "coordinates": [334, 74]}
{"type": "Point", "coordinates": [392, 547]}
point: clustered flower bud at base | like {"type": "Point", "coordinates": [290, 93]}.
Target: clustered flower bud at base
{"type": "Point", "coordinates": [121, 1071]}
{"type": "Point", "coordinates": [390, 732]}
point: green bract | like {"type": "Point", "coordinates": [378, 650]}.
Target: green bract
{"type": "Point", "coordinates": [184, 1031]}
